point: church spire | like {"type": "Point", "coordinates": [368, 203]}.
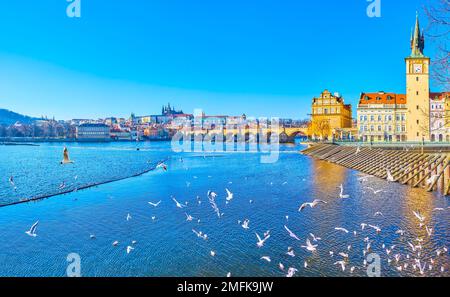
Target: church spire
{"type": "Point", "coordinates": [417, 40]}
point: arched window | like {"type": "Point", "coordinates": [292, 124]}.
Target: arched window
{"type": "Point", "coordinates": [441, 138]}
{"type": "Point", "coordinates": [433, 138]}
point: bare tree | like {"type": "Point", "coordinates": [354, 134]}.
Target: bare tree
{"type": "Point", "coordinates": [438, 31]}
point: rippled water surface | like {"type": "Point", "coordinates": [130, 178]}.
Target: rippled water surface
{"type": "Point", "coordinates": [167, 246]}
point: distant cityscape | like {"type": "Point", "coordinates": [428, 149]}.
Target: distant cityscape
{"type": "Point", "coordinates": [134, 128]}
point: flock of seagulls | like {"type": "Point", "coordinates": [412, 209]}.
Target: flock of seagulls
{"type": "Point", "coordinates": [411, 258]}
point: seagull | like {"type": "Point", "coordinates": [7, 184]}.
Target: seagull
{"type": "Point", "coordinates": [311, 204]}
{"type": "Point", "coordinates": [390, 178]}
{"type": "Point", "coordinates": [66, 159]}
{"type": "Point", "coordinates": [229, 274]}
{"type": "Point", "coordinates": [374, 191]}
{"type": "Point", "coordinates": [291, 234]}
{"type": "Point", "coordinates": [261, 242]}
{"type": "Point", "coordinates": [266, 258]}
{"type": "Point", "coordinates": [343, 255]}
{"type": "Point", "coordinates": [342, 263]}
{"type": "Point", "coordinates": [211, 194]}
{"type": "Point", "coordinates": [162, 165]}
{"type": "Point", "coordinates": [189, 218]}
{"type": "Point", "coordinates": [429, 231]}
{"type": "Point", "coordinates": [419, 216]}
{"type": "Point", "coordinates": [438, 209]}
{"type": "Point", "coordinates": [291, 272]}
{"type": "Point", "coordinates": [128, 217]}
{"type": "Point", "coordinates": [32, 231]}
{"type": "Point", "coordinates": [341, 229]}
{"type": "Point", "coordinates": [281, 266]}
{"type": "Point", "coordinates": [363, 225]}
{"type": "Point", "coordinates": [92, 236]}
{"type": "Point", "coordinates": [115, 243]}
{"type": "Point", "coordinates": [401, 232]}
{"type": "Point", "coordinates": [314, 238]}
{"type": "Point", "coordinates": [155, 204]}
{"type": "Point", "coordinates": [352, 269]}
{"type": "Point", "coordinates": [229, 196]}
{"type": "Point", "coordinates": [62, 186]}
{"type": "Point", "coordinates": [376, 228]}
{"type": "Point", "coordinates": [341, 194]}
{"type": "Point", "coordinates": [245, 224]}
{"type": "Point", "coordinates": [378, 213]}
{"type": "Point", "coordinates": [266, 233]}
{"type": "Point", "coordinates": [290, 252]}
{"type": "Point", "coordinates": [129, 249]}
{"type": "Point", "coordinates": [11, 181]}
{"type": "Point", "coordinates": [213, 253]}
{"type": "Point", "coordinates": [153, 218]}
{"type": "Point", "coordinates": [310, 247]}
{"type": "Point", "coordinates": [179, 205]}
{"type": "Point", "coordinates": [432, 179]}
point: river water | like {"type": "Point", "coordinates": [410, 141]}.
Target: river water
{"type": "Point", "coordinates": [165, 243]}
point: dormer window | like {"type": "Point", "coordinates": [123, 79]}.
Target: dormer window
{"type": "Point", "coordinates": [389, 98]}
{"type": "Point", "coordinates": [366, 98]}
{"type": "Point", "coordinates": [378, 98]}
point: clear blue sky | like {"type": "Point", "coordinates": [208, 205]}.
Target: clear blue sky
{"type": "Point", "coordinates": [259, 57]}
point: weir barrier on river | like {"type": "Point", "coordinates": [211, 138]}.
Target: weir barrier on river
{"type": "Point", "coordinates": [429, 170]}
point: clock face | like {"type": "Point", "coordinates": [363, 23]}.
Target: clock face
{"type": "Point", "coordinates": [417, 68]}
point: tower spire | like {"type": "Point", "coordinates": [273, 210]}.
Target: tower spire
{"type": "Point", "coordinates": [417, 40]}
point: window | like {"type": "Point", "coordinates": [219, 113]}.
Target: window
{"type": "Point", "coordinates": [417, 93]}
{"type": "Point", "coordinates": [379, 128]}
{"type": "Point", "coordinates": [417, 122]}
{"type": "Point", "coordinates": [417, 78]}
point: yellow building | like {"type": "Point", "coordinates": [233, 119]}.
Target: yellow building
{"type": "Point", "coordinates": [329, 114]}
{"type": "Point", "coordinates": [418, 89]}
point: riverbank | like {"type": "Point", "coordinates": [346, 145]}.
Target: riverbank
{"type": "Point", "coordinates": [429, 170]}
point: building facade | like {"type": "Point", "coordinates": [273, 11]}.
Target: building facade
{"type": "Point", "coordinates": [329, 113]}
{"type": "Point", "coordinates": [382, 117]}
{"type": "Point", "coordinates": [415, 117]}
{"type": "Point", "coordinates": [439, 131]}
{"type": "Point", "coordinates": [93, 132]}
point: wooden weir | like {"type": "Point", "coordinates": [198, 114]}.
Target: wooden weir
{"type": "Point", "coordinates": [429, 170]}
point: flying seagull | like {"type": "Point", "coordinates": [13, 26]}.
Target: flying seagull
{"type": "Point", "coordinates": [311, 204]}
{"type": "Point", "coordinates": [266, 258]}
{"type": "Point", "coordinates": [341, 194]}
{"type": "Point", "coordinates": [155, 204]}
{"type": "Point", "coordinates": [310, 247]}
{"type": "Point", "coordinates": [291, 234]}
{"type": "Point", "coordinates": [32, 231]}
{"type": "Point", "coordinates": [229, 196]}
{"type": "Point", "coordinates": [129, 249]}
{"type": "Point", "coordinates": [162, 165]}
{"type": "Point", "coordinates": [66, 159]}
{"type": "Point", "coordinates": [261, 242]}
{"type": "Point", "coordinates": [341, 229]}
{"type": "Point", "coordinates": [179, 205]}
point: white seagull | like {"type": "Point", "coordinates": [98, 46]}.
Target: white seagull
{"type": "Point", "coordinates": [310, 247]}
{"type": "Point", "coordinates": [129, 249]}
{"type": "Point", "coordinates": [341, 194]}
{"type": "Point", "coordinates": [311, 204]}
{"type": "Point", "coordinates": [229, 196]}
{"type": "Point", "coordinates": [261, 242]}
{"type": "Point", "coordinates": [179, 205]}
{"type": "Point", "coordinates": [155, 204]}
{"type": "Point", "coordinates": [419, 216]}
{"type": "Point", "coordinates": [266, 258]}
{"type": "Point", "coordinates": [341, 229]}
{"type": "Point", "coordinates": [291, 272]}
{"type": "Point", "coordinates": [291, 234]}
{"type": "Point", "coordinates": [32, 231]}
{"type": "Point", "coordinates": [245, 224]}
{"type": "Point", "coordinates": [66, 159]}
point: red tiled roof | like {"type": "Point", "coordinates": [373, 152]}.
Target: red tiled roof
{"type": "Point", "coordinates": [439, 95]}
{"type": "Point", "coordinates": [382, 98]}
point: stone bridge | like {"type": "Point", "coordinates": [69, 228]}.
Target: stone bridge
{"type": "Point", "coordinates": [285, 134]}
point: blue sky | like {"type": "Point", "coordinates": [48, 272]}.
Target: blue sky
{"type": "Point", "coordinates": [259, 57]}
